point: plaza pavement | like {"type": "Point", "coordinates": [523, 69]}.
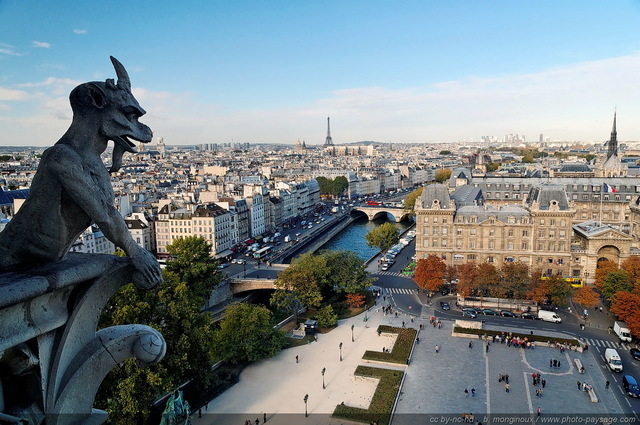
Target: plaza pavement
{"type": "Point", "coordinates": [434, 382]}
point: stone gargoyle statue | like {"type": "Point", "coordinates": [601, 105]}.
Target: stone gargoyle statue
{"type": "Point", "coordinates": [72, 190]}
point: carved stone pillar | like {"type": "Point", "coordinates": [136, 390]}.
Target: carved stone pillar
{"type": "Point", "coordinates": [52, 357]}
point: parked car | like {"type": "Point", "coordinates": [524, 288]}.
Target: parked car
{"type": "Point", "coordinates": [635, 353]}
{"type": "Point", "coordinates": [476, 310]}
{"type": "Point", "coordinates": [444, 305]}
{"type": "Point", "coordinates": [489, 312]}
{"type": "Point", "coordinates": [469, 313]}
{"type": "Point", "coordinates": [529, 316]}
{"type": "Point", "coordinates": [386, 266]}
{"type": "Point", "coordinates": [507, 313]}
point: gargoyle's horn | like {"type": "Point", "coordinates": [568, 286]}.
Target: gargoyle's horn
{"type": "Point", "coordinates": [123, 77]}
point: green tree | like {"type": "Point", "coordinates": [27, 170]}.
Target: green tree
{"type": "Point", "coordinates": [247, 334]}
{"type": "Point", "coordinates": [445, 152]}
{"type": "Point", "coordinates": [383, 237]}
{"type": "Point", "coordinates": [191, 261]}
{"type": "Point", "coordinates": [559, 290]}
{"type": "Point", "coordinates": [326, 317]}
{"type": "Point", "coordinates": [589, 157]}
{"type": "Point", "coordinates": [5, 158]}
{"type": "Point", "coordinates": [493, 166]}
{"type": "Point", "coordinates": [616, 281]}
{"type": "Point", "coordinates": [347, 272]}
{"type": "Point", "coordinates": [341, 184]}
{"type": "Point", "coordinates": [528, 158]}
{"type": "Point", "coordinates": [305, 279]}
{"type": "Point", "coordinates": [442, 175]}
{"type": "Point", "coordinates": [175, 311]}
{"type": "Point", "coordinates": [410, 200]}
{"type": "Point", "coordinates": [515, 279]}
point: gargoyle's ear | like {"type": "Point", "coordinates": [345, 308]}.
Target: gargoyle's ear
{"type": "Point", "coordinates": [97, 95]}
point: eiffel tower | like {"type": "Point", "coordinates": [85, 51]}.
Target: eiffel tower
{"type": "Point", "coordinates": [328, 141]}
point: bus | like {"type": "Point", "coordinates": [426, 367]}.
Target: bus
{"type": "Point", "coordinates": [262, 252]}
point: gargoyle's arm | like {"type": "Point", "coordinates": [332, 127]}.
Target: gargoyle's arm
{"type": "Point", "coordinates": [91, 189]}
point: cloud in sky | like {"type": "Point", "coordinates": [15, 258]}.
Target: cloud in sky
{"type": "Point", "coordinates": [8, 50]}
{"type": "Point", "coordinates": [80, 31]}
{"type": "Point", "coordinates": [41, 44]}
{"type": "Point", "coordinates": [573, 102]}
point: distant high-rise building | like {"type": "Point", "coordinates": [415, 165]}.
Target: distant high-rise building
{"type": "Point", "coordinates": [541, 137]}
{"type": "Point", "coordinates": [328, 141]}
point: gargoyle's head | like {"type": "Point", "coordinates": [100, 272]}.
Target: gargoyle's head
{"type": "Point", "coordinates": [113, 108]}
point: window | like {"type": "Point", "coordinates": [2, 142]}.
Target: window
{"type": "Point", "coordinates": [425, 243]}
{"type": "Point", "coordinates": [552, 233]}
{"type": "Point", "coordinates": [444, 243]}
{"type": "Point", "coordinates": [435, 219]}
{"type": "Point", "coordinates": [523, 246]}
{"type": "Point", "coordinates": [426, 231]}
{"type": "Point", "coordinates": [444, 220]}
{"type": "Point", "coordinates": [562, 234]}
{"type": "Point", "coordinates": [492, 244]}
{"type": "Point", "coordinates": [472, 257]}
{"type": "Point", "coordinates": [458, 243]}
{"type": "Point", "coordinates": [491, 232]}
{"type": "Point", "coordinates": [541, 233]}
{"type": "Point", "coordinates": [552, 222]}
{"type": "Point", "coordinates": [542, 221]}
{"type": "Point", "coordinates": [472, 244]}
{"type": "Point", "coordinates": [434, 243]}
{"type": "Point", "coordinates": [510, 233]}
{"type": "Point", "coordinates": [472, 232]}
{"type": "Point", "coordinates": [490, 260]}
{"type": "Point", "coordinates": [444, 231]}
{"type": "Point", "coordinates": [459, 232]}
{"type": "Point", "coordinates": [509, 245]}
{"type": "Point", "coordinates": [525, 233]}
{"type": "Point", "coordinates": [436, 231]}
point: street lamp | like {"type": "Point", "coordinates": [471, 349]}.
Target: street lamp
{"type": "Point", "coordinates": [352, 333]}
{"type": "Point", "coordinates": [306, 397]}
{"type": "Point", "coordinates": [340, 351]}
{"type": "Point", "coordinates": [324, 369]}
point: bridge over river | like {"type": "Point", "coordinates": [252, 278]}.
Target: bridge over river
{"type": "Point", "coordinates": [378, 211]}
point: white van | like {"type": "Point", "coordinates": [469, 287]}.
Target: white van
{"type": "Point", "coordinates": [612, 358]}
{"type": "Point", "coordinates": [549, 316]}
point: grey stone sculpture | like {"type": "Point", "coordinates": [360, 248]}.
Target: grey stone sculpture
{"type": "Point", "coordinates": [52, 356]}
{"type": "Point", "coordinates": [72, 190]}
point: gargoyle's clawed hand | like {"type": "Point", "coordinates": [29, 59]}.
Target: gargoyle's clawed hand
{"type": "Point", "coordinates": [148, 274]}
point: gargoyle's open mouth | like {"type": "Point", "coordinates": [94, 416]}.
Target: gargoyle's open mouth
{"type": "Point", "coordinates": [122, 144]}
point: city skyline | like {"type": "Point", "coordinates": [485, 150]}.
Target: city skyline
{"type": "Point", "coordinates": [410, 72]}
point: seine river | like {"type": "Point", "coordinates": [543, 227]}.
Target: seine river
{"type": "Point", "coordinates": [353, 237]}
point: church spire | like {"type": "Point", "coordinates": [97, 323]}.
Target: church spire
{"type": "Point", "coordinates": [328, 141]}
{"type": "Point", "coordinates": [613, 142]}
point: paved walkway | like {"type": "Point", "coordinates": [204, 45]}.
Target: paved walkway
{"type": "Point", "coordinates": [434, 382]}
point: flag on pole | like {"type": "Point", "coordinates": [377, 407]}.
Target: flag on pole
{"type": "Point", "coordinates": [607, 189]}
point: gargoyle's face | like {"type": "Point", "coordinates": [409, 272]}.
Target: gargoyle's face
{"type": "Point", "coordinates": [112, 107]}
{"type": "Point", "coordinates": [120, 120]}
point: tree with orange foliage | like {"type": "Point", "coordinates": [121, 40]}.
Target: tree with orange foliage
{"type": "Point", "coordinates": [355, 300]}
{"type": "Point", "coordinates": [468, 279]}
{"type": "Point", "coordinates": [632, 266]}
{"type": "Point", "coordinates": [538, 288]}
{"type": "Point", "coordinates": [514, 279]}
{"type": "Point", "coordinates": [429, 273]}
{"type": "Point", "coordinates": [586, 296]}
{"type": "Point", "coordinates": [626, 306]}
{"type": "Point", "coordinates": [602, 270]}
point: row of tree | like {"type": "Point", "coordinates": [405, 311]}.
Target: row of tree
{"type": "Point", "coordinates": [333, 187]}
{"type": "Point", "coordinates": [510, 280]}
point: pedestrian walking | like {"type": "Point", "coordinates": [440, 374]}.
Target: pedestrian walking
{"type": "Point", "coordinates": [473, 392]}
{"type": "Point", "coordinates": [578, 385]}
{"type": "Point", "coordinates": [199, 413]}
{"type": "Point", "coordinates": [264, 418]}
{"type": "Point", "coordinates": [544, 382]}
{"type": "Point", "coordinates": [403, 323]}
{"type": "Point", "coordinates": [506, 378]}
{"type": "Point", "coordinates": [470, 345]}
{"type": "Point", "coordinates": [506, 387]}
{"type": "Point", "coordinates": [437, 348]}
{"type": "Point", "coordinates": [537, 392]}
{"type": "Point", "coordinates": [297, 359]}
{"type": "Point", "coordinates": [606, 385]}
{"type": "Point", "coordinates": [466, 393]}
{"type": "Point", "coordinates": [487, 347]}
{"type": "Point", "coordinates": [257, 421]}
{"type": "Point", "coordinates": [550, 363]}
{"type": "Point", "coordinates": [538, 411]}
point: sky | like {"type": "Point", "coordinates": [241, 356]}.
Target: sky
{"type": "Point", "coordinates": [398, 71]}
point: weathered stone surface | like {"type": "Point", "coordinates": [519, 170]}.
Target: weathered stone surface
{"type": "Point", "coordinates": [52, 357]}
